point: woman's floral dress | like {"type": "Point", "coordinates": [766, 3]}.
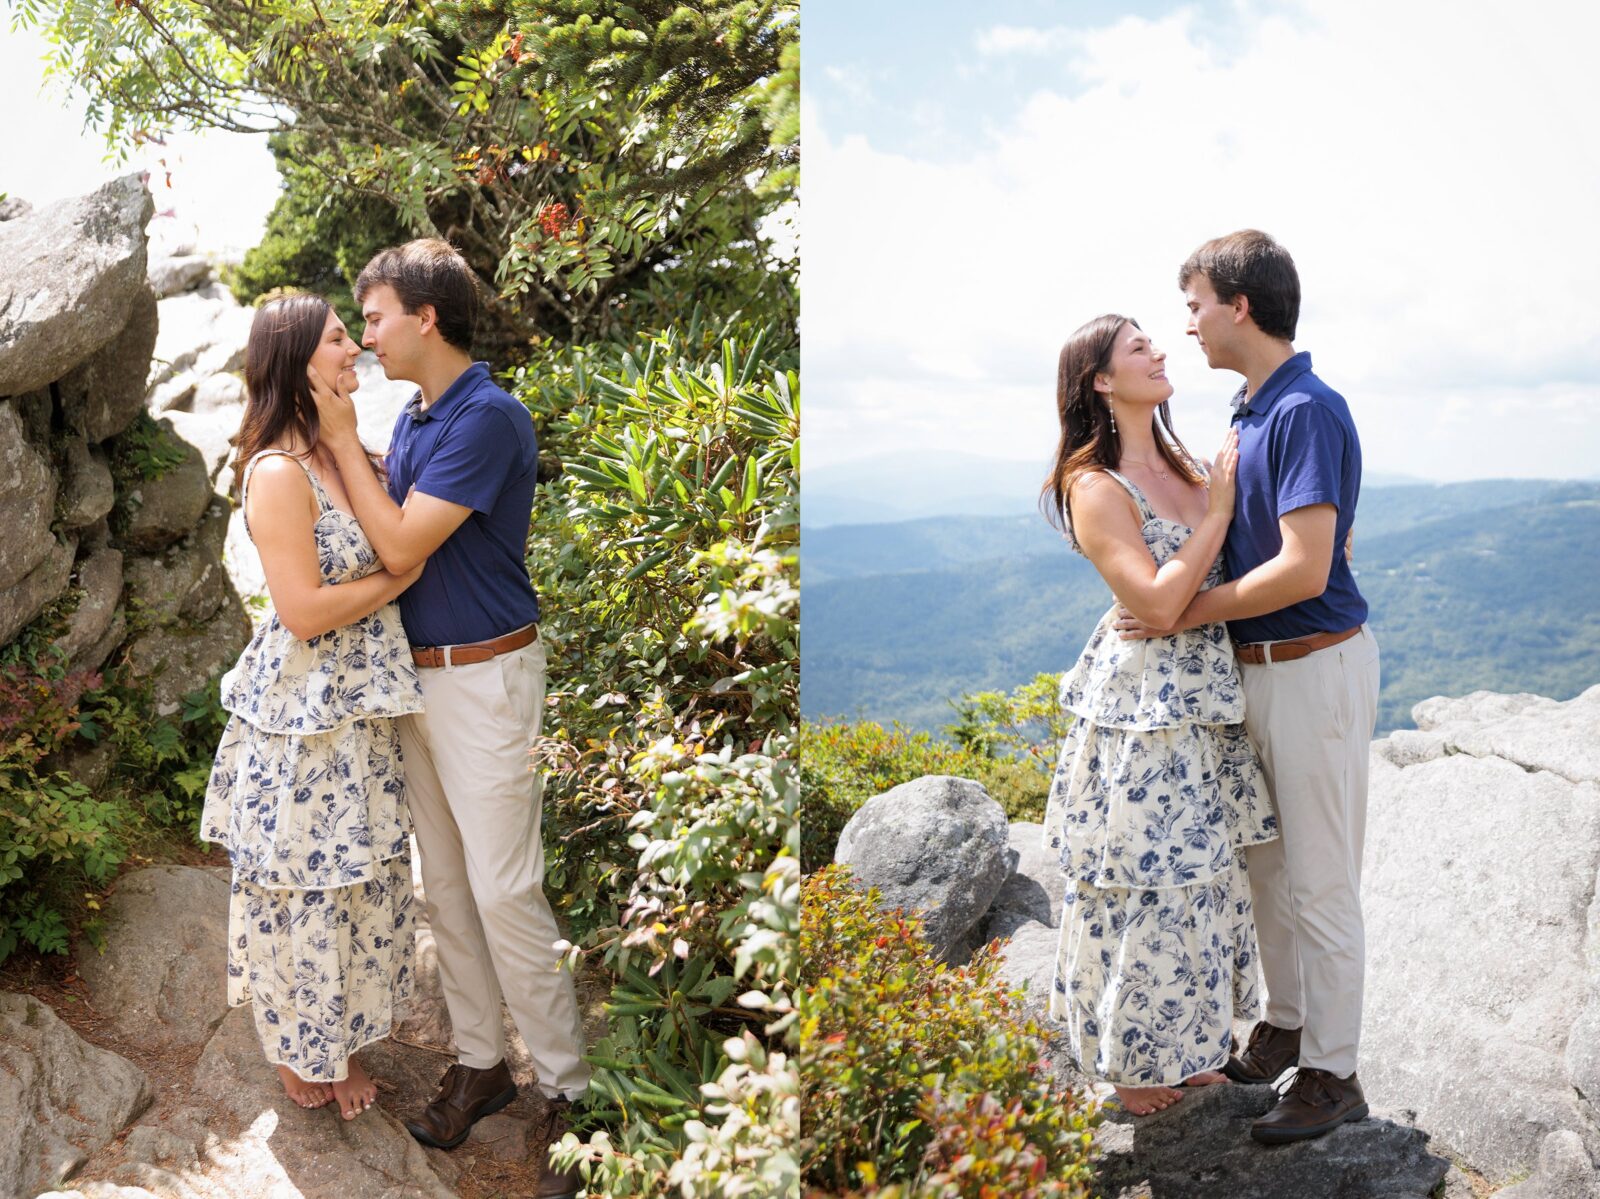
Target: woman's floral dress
{"type": "Point", "coordinates": [1156, 794]}
{"type": "Point", "coordinates": [308, 795]}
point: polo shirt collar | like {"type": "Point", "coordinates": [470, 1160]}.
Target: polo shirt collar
{"type": "Point", "coordinates": [1277, 383]}
{"type": "Point", "coordinates": [466, 382]}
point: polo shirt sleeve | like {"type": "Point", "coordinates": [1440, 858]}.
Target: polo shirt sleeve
{"type": "Point", "coordinates": [473, 460]}
{"type": "Point", "coordinates": [1309, 451]}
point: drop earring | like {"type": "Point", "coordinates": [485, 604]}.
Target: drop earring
{"type": "Point", "coordinates": [1112, 413]}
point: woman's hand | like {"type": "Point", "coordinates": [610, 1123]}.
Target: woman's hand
{"type": "Point", "coordinates": [1224, 478]}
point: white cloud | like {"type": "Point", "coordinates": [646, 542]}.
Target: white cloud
{"type": "Point", "coordinates": [1000, 40]}
{"type": "Point", "coordinates": [1431, 167]}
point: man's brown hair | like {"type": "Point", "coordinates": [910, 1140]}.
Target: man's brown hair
{"type": "Point", "coordinates": [428, 271]}
{"type": "Point", "coordinates": [1251, 264]}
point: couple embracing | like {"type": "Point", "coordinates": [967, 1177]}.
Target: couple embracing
{"type": "Point", "coordinates": [1211, 794]}
{"type": "Point", "coordinates": [398, 684]}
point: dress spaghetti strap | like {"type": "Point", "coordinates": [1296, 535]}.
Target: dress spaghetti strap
{"type": "Point", "coordinates": [323, 502]}
{"type": "Point", "coordinates": [1146, 512]}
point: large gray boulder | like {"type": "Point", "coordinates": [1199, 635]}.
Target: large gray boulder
{"type": "Point", "coordinates": [1200, 1148]}
{"type": "Point", "coordinates": [1482, 1010]}
{"type": "Point", "coordinates": [101, 396]}
{"type": "Point", "coordinates": [935, 845]}
{"type": "Point", "coordinates": [72, 272]}
{"type": "Point", "coordinates": [62, 1098]}
{"type": "Point", "coordinates": [162, 980]}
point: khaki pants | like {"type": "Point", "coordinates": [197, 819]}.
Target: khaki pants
{"type": "Point", "coordinates": [1311, 722]}
{"type": "Point", "coordinates": [476, 805]}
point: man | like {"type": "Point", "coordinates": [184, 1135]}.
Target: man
{"type": "Point", "coordinates": [1310, 672]}
{"type": "Point", "coordinates": [462, 466]}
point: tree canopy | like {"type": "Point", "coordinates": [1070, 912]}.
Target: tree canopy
{"type": "Point", "coordinates": [595, 161]}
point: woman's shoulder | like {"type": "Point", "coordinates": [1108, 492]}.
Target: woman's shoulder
{"type": "Point", "coordinates": [276, 488]}
{"type": "Point", "coordinates": [278, 472]}
{"type": "Point", "coordinates": [1097, 491]}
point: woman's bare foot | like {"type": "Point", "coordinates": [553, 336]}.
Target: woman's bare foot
{"type": "Point", "coordinates": [356, 1092]}
{"type": "Point", "coordinates": [1206, 1078]}
{"type": "Point", "coordinates": [306, 1094]}
{"type": "Point", "coordinates": [1141, 1101]}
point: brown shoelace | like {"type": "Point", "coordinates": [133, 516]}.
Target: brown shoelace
{"type": "Point", "coordinates": [1312, 1086]}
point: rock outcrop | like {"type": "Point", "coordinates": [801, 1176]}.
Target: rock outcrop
{"type": "Point", "coordinates": [71, 276]}
{"type": "Point", "coordinates": [1483, 933]}
{"type": "Point", "coordinates": [162, 978]}
{"type": "Point", "coordinates": [1200, 1148]}
{"type": "Point", "coordinates": [96, 496]}
{"type": "Point", "coordinates": [63, 1099]}
{"type": "Point", "coordinates": [222, 1127]}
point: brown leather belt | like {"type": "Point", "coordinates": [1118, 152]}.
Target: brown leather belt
{"type": "Point", "coordinates": [477, 651]}
{"type": "Point", "coordinates": [1258, 652]}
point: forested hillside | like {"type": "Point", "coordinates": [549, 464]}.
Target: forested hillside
{"type": "Point", "coordinates": [1486, 584]}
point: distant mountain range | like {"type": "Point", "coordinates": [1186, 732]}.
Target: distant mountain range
{"type": "Point", "coordinates": [1486, 584]}
{"type": "Point", "coordinates": [915, 484]}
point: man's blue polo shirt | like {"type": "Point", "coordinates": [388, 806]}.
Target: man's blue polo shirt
{"type": "Point", "coordinates": [1297, 447]}
{"type": "Point", "coordinates": [473, 446]}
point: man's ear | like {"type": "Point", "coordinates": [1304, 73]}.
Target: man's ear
{"type": "Point", "coordinates": [427, 318]}
{"type": "Point", "coordinates": [1241, 308]}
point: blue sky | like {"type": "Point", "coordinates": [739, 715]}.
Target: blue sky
{"type": "Point", "coordinates": [981, 180]}
{"type": "Point", "coordinates": [913, 77]}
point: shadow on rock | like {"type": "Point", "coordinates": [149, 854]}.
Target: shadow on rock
{"type": "Point", "coordinates": [1200, 1148]}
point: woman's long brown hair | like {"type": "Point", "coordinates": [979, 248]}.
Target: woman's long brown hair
{"type": "Point", "coordinates": [284, 334]}
{"type": "Point", "coordinates": [1088, 441]}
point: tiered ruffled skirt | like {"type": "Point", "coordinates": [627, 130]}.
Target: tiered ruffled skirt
{"type": "Point", "coordinates": [1155, 796]}
{"type": "Point", "coordinates": [308, 795]}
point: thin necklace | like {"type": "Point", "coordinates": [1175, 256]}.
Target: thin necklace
{"type": "Point", "coordinates": [1160, 474]}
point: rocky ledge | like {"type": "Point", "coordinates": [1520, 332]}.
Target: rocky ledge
{"type": "Point", "coordinates": [1481, 1037]}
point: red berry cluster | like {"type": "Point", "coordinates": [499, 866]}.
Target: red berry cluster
{"type": "Point", "coordinates": [553, 218]}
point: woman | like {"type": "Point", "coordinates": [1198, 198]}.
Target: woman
{"type": "Point", "coordinates": [306, 791]}
{"type": "Point", "coordinates": [1157, 789]}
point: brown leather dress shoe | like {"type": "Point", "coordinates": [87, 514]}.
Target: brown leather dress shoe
{"type": "Point", "coordinates": [554, 1183]}
{"type": "Point", "coordinates": [465, 1096]}
{"type": "Point", "coordinates": [1316, 1102]}
{"type": "Point", "coordinates": [1269, 1052]}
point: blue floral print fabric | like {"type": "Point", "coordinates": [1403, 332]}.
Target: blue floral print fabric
{"type": "Point", "coordinates": [1156, 794]}
{"type": "Point", "coordinates": [307, 793]}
